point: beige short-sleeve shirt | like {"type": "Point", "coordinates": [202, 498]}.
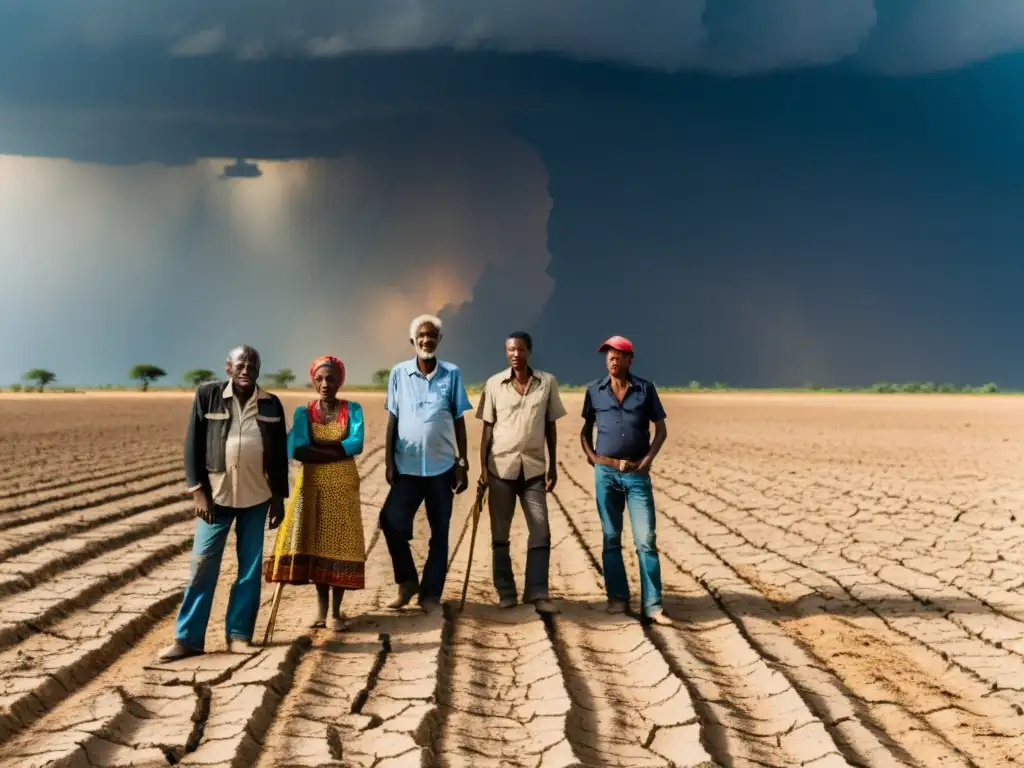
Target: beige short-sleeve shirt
{"type": "Point", "coordinates": [519, 422]}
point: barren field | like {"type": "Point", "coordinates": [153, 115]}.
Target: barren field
{"type": "Point", "coordinates": [846, 575]}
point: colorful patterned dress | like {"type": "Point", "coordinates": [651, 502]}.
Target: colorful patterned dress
{"type": "Point", "coordinates": [321, 538]}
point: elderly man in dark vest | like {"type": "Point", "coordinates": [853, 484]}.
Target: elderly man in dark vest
{"type": "Point", "coordinates": [236, 465]}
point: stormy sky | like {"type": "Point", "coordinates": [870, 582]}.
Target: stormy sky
{"type": "Point", "coordinates": [757, 193]}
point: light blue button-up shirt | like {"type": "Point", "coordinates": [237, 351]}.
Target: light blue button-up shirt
{"type": "Point", "coordinates": [426, 410]}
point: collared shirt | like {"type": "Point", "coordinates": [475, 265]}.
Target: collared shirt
{"type": "Point", "coordinates": [244, 483]}
{"type": "Point", "coordinates": [623, 430]}
{"type": "Point", "coordinates": [518, 436]}
{"type": "Point", "coordinates": [426, 409]}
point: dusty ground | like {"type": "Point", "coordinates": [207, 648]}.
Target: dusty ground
{"type": "Point", "coordinates": [845, 573]}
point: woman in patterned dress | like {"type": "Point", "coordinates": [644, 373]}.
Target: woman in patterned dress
{"type": "Point", "coordinates": [321, 538]}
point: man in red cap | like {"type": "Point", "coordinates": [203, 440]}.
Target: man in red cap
{"type": "Point", "coordinates": [623, 406]}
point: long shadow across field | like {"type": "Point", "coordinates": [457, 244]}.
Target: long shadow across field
{"type": "Point", "coordinates": [692, 609]}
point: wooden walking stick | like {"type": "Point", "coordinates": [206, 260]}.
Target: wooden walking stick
{"type": "Point", "coordinates": [481, 490]}
{"type": "Point", "coordinates": [269, 634]}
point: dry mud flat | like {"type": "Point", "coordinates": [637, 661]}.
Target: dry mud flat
{"type": "Point", "coordinates": [844, 573]}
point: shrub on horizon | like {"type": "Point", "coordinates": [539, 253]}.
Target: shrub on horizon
{"type": "Point", "coordinates": [199, 376]}
{"type": "Point", "coordinates": [40, 376]}
{"type": "Point", "coordinates": [281, 378]}
{"type": "Point", "coordinates": [146, 373]}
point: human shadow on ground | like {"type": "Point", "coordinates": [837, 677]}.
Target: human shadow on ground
{"type": "Point", "coordinates": [686, 609]}
{"type": "Point", "coordinates": [707, 607]}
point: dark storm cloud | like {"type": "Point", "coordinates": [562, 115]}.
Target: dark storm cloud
{"type": "Point", "coordinates": [322, 255]}
{"type": "Point", "coordinates": [819, 224]}
{"type": "Point", "coordinates": [731, 36]}
{"type": "Point", "coordinates": [240, 169]}
{"type": "Point", "coordinates": [823, 227]}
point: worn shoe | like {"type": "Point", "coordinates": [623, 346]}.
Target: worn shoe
{"type": "Point", "coordinates": [406, 592]}
{"type": "Point", "coordinates": [339, 623]}
{"type": "Point", "coordinates": [317, 622]}
{"type": "Point", "coordinates": [507, 602]}
{"type": "Point", "coordinates": [235, 645]}
{"type": "Point", "coordinates": [616, 606]}
{"type": "Point", "coordinates": [430, 605]}
{"type": "Point", "coordinates": [178, 650]}
{"type": "Point", "coordinates": [660, 618]}
{"type": "Point", "coordinates": [545, 606]}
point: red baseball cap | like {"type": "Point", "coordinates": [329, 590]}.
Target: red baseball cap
{"type": "Point", "coordinates": [620, 343]}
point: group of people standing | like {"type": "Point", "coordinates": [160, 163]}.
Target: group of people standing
{"type": "Point", "coordinates": [238, 447]}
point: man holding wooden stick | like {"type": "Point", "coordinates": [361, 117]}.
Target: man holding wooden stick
{"type": "Point", "coordinates": [519, 408]}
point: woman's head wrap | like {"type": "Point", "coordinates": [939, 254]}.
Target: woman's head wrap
{"type": "Point", "coordinates": [330, 360]}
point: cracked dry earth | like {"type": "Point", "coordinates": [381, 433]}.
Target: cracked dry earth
{"type": "Point", "coordinates": [845, 574]}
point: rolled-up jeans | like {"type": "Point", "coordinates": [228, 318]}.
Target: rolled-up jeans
{"type": "Point", "coordinates": [204, 571]}
{"type": "Point", "coordinates": [502, 495]}
{"type": "Point", "coordinates": [615, 491]}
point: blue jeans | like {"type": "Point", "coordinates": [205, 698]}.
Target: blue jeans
{"type": "Point", "coordinates": [615, 491]}
{"type": "Point", "coordinates": [204, 569]}
{"type": "Point", "coordinates": [396, 522]}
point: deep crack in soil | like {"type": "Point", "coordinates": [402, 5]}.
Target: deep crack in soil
{"type": "Point", "coordinates": [844, 573]}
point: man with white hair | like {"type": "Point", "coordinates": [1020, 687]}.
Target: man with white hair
{"type": "Point", "coordinates": [425, 461]}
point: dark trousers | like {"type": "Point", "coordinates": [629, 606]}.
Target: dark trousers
{"type": "Point", "coordinates": [396, 522]}
{"type": "Point", "coordinates": [502, 506]}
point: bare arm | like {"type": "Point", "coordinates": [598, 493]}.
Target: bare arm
{"type": "Point", "coordinates": [660, 434]}
{"type": "Point", "coordinates": [657, 415]}
{"type": "Point", "coordinates": [551, 436]}
{"type": "Point", "coordinates": [587, 440]}
{"type": "Point", "coordinates": [460, 438]}
{"type": "Point", "coordinates": [461, 473]}
{"type": "Point", "coordinates": [485, 446]}
{"type": "Point", "coordinates": [390, 440]}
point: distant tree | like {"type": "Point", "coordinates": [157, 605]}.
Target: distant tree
{"type": "Point", "coordinates": [146, 373]}
{"type": "Point", "coordinates": [947, 388]}
{"type": "Point", "coordinates": [883, 387]}
{"type": "Point", "coordinates": [695, 386]}
{"type": "Point", "coordinates": [989, 389]}
{"type": "Point", "coordinates": [199, 376]}
{"type": "Point", "coordinates": [40, 376]}
{"type": "Point", "coordinates": [380, 377]}
{"type": "Point", "coordinates": [281, 378]}
{"type": "Point", "coordinates": [720, 386]}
